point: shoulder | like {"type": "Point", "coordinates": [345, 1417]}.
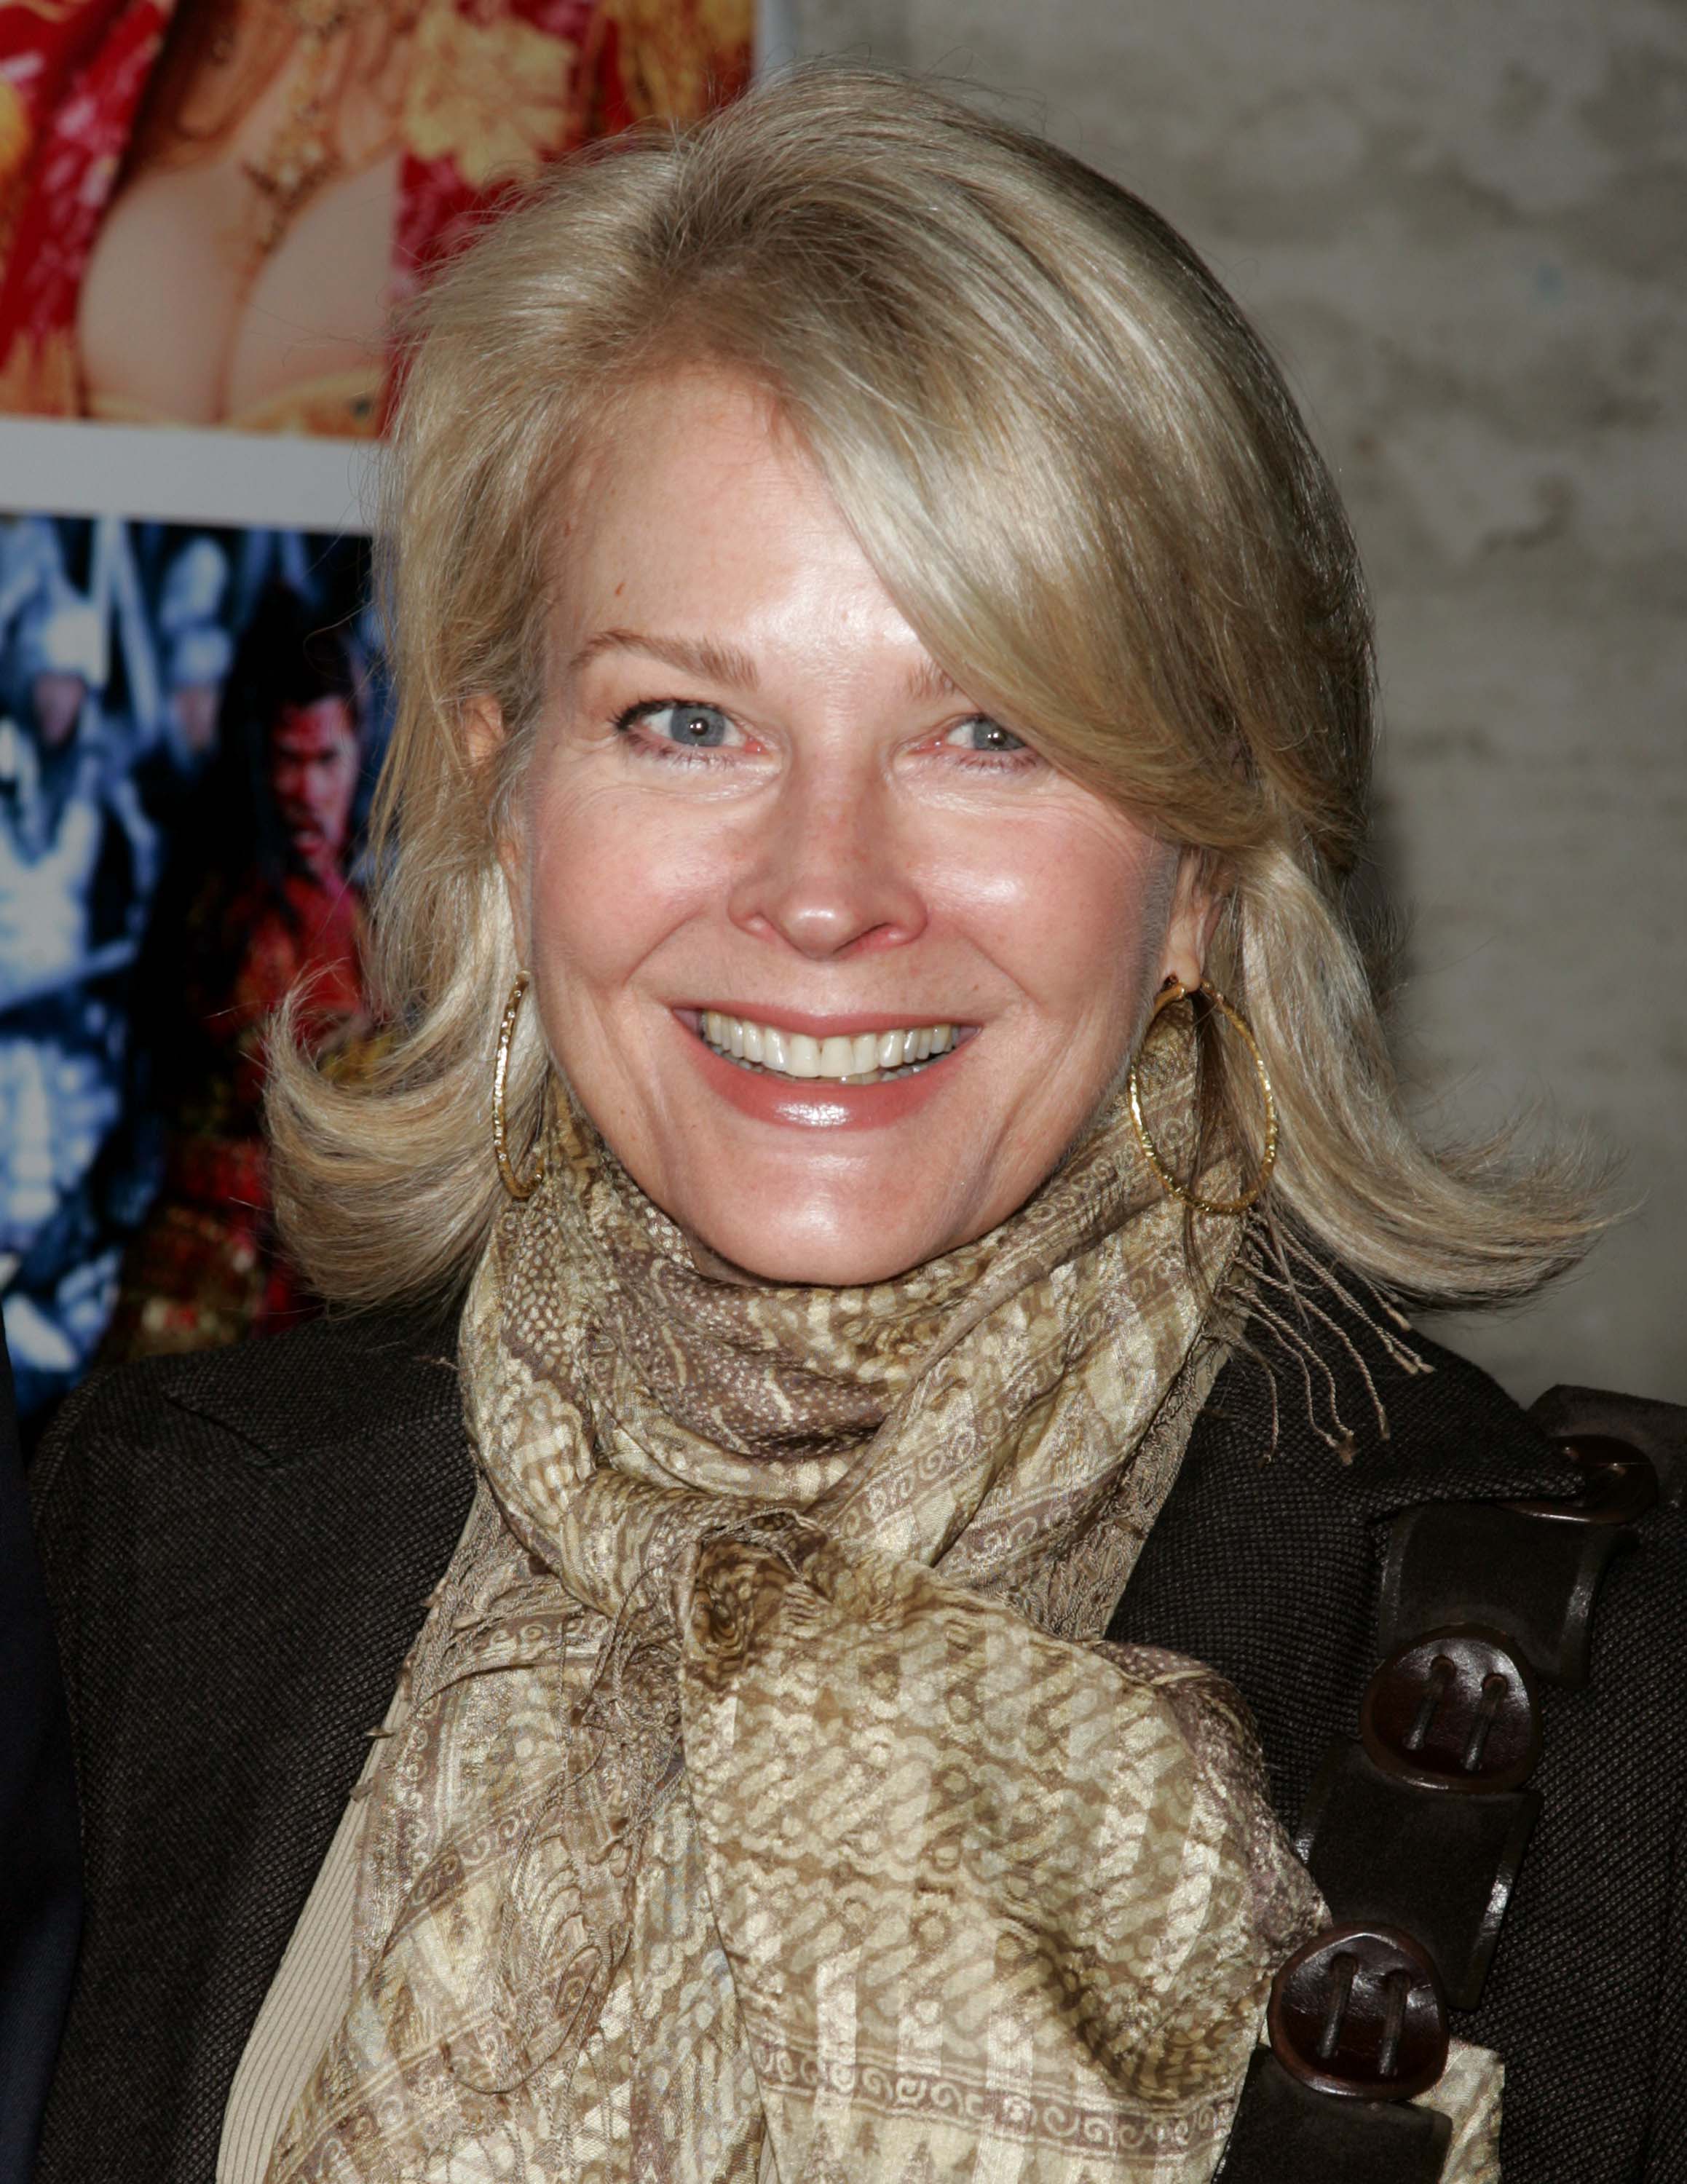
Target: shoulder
{"type": "Point", "coordinates": [1327, 1420]}
{"type": "Point", "coordinates": [1329, 1417]}
{"type": "Point", "coordinates": [268, 1401]}
{"type": "Point", "coordinates": [239, 1548]}
{"type": "Point", "coordinates": [258, 1450]}
{"type": "Point", "coordinates": [1268, 1563]}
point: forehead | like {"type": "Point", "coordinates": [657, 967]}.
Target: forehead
{"type": "Point", "coordinates": [306, 731]}
{"type": "Point", "coordinates": [699, 509]}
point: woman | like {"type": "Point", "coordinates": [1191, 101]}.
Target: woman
{"type": "Point", "coordinates": [884, 718]}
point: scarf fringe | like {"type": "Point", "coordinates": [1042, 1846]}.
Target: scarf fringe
{"type": "Point", "coordinates": [1274, 1280]}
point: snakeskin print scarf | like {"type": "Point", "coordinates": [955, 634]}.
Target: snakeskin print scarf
{"type": "Point", "coordinates": [761, 1801]}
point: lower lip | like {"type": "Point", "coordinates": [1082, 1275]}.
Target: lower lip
{"type": "Point", "coordinates": [815, 1103]}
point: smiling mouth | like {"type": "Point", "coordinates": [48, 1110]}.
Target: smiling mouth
{"type": "Point", "coordinates": [867, 1057]}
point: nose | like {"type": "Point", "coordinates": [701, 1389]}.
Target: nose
{"type": "Point", "coordinates": [830, 873]}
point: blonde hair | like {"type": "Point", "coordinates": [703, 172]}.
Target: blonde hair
{"type": "Point", "coordinates": [1085, 484]}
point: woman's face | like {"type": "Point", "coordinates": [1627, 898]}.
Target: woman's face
{"type": "Point", "coordinates": [759, 819]}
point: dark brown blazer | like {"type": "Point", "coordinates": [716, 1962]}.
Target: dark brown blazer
{"type": "Point", "coordinates": [240, 1547]}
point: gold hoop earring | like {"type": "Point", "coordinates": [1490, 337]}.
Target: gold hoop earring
{"type": "Point", "coordinates": [1175, 990]}
{"type": "Point", "coordinates": [517, 1186]}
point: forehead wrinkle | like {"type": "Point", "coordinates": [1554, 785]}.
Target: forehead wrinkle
{"type": "Point", "coordinates": [691, 655]}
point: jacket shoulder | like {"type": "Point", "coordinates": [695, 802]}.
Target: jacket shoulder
{"type": "Point", "coordinates": [1326, 1420]}
{"type": "Point", "coordinates": [272, 1400]}
{"type": "Point", "coordinates": [1264, 1563]}
{"type": "Point", "coordinates": [241, 1456]}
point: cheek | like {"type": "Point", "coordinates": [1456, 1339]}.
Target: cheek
{"type": "Point", "coordinates": [1074, 905]}
{"type": "Point", "coordinates": [606, 882]}
{"type": "Point", "coordinates": [571, 933]}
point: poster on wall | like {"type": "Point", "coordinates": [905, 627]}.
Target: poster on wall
{"type": "Point", "coordinates": [209, 208]}
{"type": "Point", "coordinates": [191, 719]}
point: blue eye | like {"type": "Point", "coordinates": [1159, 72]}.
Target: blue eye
{"type": "Point", "coordinates": [685, 732]}
{"type": "Point", "coordinates": [981, 733]}
{"type": "Point", "coordinates": [695, 728]}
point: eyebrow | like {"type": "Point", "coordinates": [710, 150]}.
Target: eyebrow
{"type": "Point", "coordinates": [691, 655]}
{"type": "Point", "coordinates": [928, 680]}
{"type": "Point", "coordinates": [726, 663]}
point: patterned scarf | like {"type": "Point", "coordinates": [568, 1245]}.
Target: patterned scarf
{"type": "Point", "coordinates": [761, 1801]}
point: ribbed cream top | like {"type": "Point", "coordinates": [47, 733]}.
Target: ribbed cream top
{"type": "Point", "coordinates": [308, 1998]}
{"type": "Point", "coordinates": [301, 2012]}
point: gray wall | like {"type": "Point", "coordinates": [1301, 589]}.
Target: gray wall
{"type": "Point", "coordinates": [1461, 223]}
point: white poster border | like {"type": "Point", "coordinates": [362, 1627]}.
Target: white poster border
{"type": "Point", "coordinates": [174, 474]}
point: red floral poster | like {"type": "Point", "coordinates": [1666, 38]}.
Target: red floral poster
{"type": "Point", "coordinates": [208, 209]}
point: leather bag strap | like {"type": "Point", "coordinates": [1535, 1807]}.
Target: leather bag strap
{"type": "Point", "coordinates": [1415, 1830]}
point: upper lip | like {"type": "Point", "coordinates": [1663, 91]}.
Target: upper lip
{"type": "Point", "coordinates": [847, 1024]}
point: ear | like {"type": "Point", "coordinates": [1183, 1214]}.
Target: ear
{"type": "Point", "coordinates": [483, 733]}
{"type": "Point", "coordinates": [1197, 901]}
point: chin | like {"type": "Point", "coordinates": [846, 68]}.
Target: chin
{"type": "Point", "coordinates": [818, 1251]}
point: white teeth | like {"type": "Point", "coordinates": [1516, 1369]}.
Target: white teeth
{"type": "Point", "coordinates": [862, 1058]}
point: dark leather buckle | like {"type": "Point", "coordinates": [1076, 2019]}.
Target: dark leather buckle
{"type": "Point", "coordinates": [1360, 2012]}
{"type": "Point", "coordinates": [1656, 1431]}
{"type": "Point", "coordinates": [1386, 1853]}
{"type": "Point", "coordinates": [1450, 1562]}
{"type": "Point", "coordinates": [1453, 1710]}
{"type": "Point", "coordinates": [1620, 1485]}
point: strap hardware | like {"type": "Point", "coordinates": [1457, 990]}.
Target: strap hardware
{"type": "Point", "coordinates": [1622, 1485]}
{"type": "Point", "coordinates": [1285, 2133]}
{"type": "Point", "coordinates": [1477, 1599]}
{"type": "Point", "coordinates": [1451, 1563]}
{"type": "Point", "coordinates": [1359, 2011]}
{"type": "Point", "coordinates": [1453, 1710]}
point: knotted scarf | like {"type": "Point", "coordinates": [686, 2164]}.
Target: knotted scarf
{"type": "Point", "coordinates": [761, 1800]}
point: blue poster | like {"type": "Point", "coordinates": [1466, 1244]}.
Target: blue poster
{"type": "Point", "coordinates": [190, 722]}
